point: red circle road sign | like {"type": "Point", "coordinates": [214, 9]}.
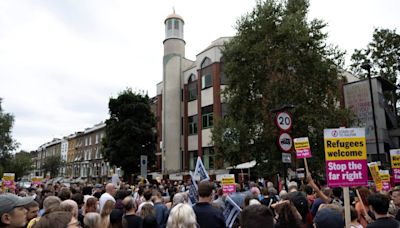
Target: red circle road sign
{"type": "Point", "coordinates": [285, 142]}
{"type": "Point", "coordinates": [283, 121]}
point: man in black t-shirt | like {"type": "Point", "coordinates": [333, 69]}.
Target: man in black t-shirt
{"type": "Point", "coordinates": [207, 215]}
{"type": "Point", "coordinates": [131, 220]}
{"type": "Point", "coordinates": [379, 205]}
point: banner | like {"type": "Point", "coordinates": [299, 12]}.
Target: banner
{"type": "Point", "coordinates": [201, 170]}
{"type": "Point", "coordinates": [395, 160]}
{"type": "Point", "coordinates": [374, 169]}
{"type": "Point", "coordinates": [232, 210]}
{"type": "Point", "coordinates": [345, 157]}
{"type": "Point", "coordinates": [193, 190]}
{"type": "Point", "coordinates": [228, 184]}
{"type": "Point", "coordinates": [302, 147]}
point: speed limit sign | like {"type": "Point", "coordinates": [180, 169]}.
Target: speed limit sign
{"type": "Point", "coordinates": [285, 142]}
{"type": "Point", "coordinates": [284, 121]}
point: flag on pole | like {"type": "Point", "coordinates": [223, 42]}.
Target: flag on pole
{"type": "Point", "coordinates": [232, 210]}
{"type": "Point", "coordinates": [201, 170]}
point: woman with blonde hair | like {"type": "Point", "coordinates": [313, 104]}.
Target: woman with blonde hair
{"type": "Point", "coordinates": [182, 216]}
{"type": "Point", "coordinates": [105, 213]}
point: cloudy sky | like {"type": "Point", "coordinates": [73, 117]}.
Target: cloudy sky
{"type": "Point", "coordinates": [61, 60]}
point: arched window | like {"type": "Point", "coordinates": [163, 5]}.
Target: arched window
{"type": "Point", "coordinates": [206, 73]}
{"type": "Point", "coordinates": [206, 62]}
{"type": "Point", "coordinates": [192, 87]}
{"type": "Point", "coordinates": [192, 78]}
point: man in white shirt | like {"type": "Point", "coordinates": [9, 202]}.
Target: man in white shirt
{"type": "Point", "coordinates": [108, 195]}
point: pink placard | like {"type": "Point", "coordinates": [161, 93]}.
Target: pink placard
{"type": "Point", "coordinates": [303, 153]}
{"type": "Point", "coordinates": [396, 175]}
{"type": "Point", "coordinates": [346, 173]}
{"type": "Point", "coordinates": [229, 188]}
{"type": "Point", "coordinates": [386, 186]}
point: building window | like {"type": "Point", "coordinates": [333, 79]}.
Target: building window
{"type": "Point", "coordinates": [169, 23]}
{"type": "Point", "coordinates": [86, 141]}
{"type": "Point", "coordinates": [192, 120]}
{"type": "Point", "coordinates": [176, 23]}
{"type": "Point", "coordinates": [90, 140]}
{"type": "Point", "coordinates": [206, 81]}
{"type": "Point", "coordinates": [97, 138]}
{"type": "Point", "coordinates": [208, 157]}
{"type": "Point", "coordinates": [192, 159]}
{"type": "Point", "coordinates": [192, 87]}
{"type": "Point", "coordinates": [207, 116]}
{"type": "Point", "coordinates": [206, 62]}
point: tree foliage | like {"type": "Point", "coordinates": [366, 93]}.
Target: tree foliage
{"type": "Point", "coordinates": [21, 164]}
{"type": "Point", "coordinates": [7, 143]}
{"type": "Point", "coordinates": [278, 58]}
{"type": "Point", "coordinates": [52, 164]}
{"type": "Point", "coordinates": [129, 131]}
{"type": "Point", "coordinates": [382, 53]}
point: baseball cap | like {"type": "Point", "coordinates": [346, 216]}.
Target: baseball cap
{"type": "Point", "coordinates": [328, 218]}
{"type": "Point", "coordinates": [10, 201]}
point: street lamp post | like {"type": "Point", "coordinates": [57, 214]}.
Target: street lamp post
{"type": "Point", "coordinates": [368, 68]}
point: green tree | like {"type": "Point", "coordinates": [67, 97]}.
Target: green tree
{"type": "Point", "coordinates": [7, 143]}
{"type": "Point", "coordinates": [20, 164]}
{"type": "Point", "coordinates": [383, 53]}
{"type": "Point", "coordinates": [129, 131]}
{"type": "Point", "coordinates": [279, 58]}
{"type": "Point", "coordinates": [52, 164]}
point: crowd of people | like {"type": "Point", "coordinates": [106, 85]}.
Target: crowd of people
{"type": "Point", "coordinates": [166, 204]}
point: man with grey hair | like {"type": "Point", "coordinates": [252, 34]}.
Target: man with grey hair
{"type": "Point", "coordinates": [130, 218]}
{"type": "Point", "coordinates": [70, 206]}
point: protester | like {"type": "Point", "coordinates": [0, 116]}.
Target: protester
{"type": "Point", "coordinates": [396, 201]}
{"type": "Point", "coordinates": [58, 219]}
{"type": "Point", "coordinates": [147, 197]}
{"type": "Point", "coordinates": [90, 205]}
{"type": "Point", "coordinates": [160, 209]}
{"type": "Point", "coordinates": [105, 213]}
{"type": "Point", "coordinates": [108, 195]}
{"type": "Point", "coordinates": [32, 210]}
{"type": "Point", "coordinates": [354, 219]}
{"type": "Point", "coordinates": [130, 219]}
{"type": "Point", "coordinates": [256, 216]}
{"type": "Point", "coordinates": [182, 216]}
{"type": "Point", "coordinates": [287, 216]}
{"type": "Point", "coordinates": [71, 206]}
{"type": "Point", "coordinates": [328, 218]}
{"type": "Point", "coordinates": [12, 211]}
{"type": "Point", "coordinates": [363, 217]}
{"type": "Point", "coordinates": [92, 220]}
{"type": "Point", "coordinates": [379, 205]}
{"type": "Point", "coordinates": [207, 216]}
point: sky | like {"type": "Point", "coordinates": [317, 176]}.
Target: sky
{"type": "Point", "coordinates": [61, 60]}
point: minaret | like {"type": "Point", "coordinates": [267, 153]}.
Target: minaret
{"type": "Point", "coordinates": [174, 52]}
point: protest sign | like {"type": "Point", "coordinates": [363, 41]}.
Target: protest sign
{"type": "Point", "coordinates": [395, 160]}
{"type": "Point", "coordinates": [374, 169]}
{"type": "Point", "coordinates": [37, 181]}
{"type": "Point", "coordinates": [346, 157]}
{"type": "Point", "coordinates": [385, 178]}
{"type": "Point", "coordinates": [8, 182]}
{"type": "Point", "coordinates": [231, 211]}
{"type": "Point", "coordinates": [302, 147]}
{"type": "Point", "coordinates": [228, 183]}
